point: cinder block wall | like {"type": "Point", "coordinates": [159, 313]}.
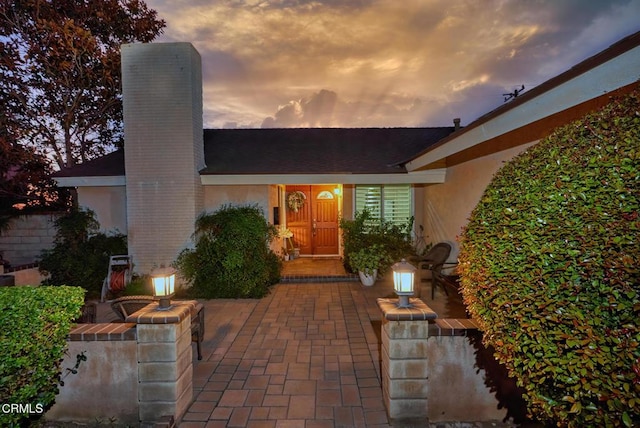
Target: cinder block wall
{"type": "Point", "coordinates": [27, 237]}
{"type": "Point", "coordinates": [162, 99]}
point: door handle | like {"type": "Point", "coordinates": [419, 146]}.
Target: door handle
{"type": "Point", "coordinates": [314, 227]}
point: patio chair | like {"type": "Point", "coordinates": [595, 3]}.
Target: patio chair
{"type": "Point", "coordinates": [434, 260]}
{"type": "Point", "coordinates": [127, 305]}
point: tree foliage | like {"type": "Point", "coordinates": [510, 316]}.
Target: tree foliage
{"type": "Point", "coordinates": [80, 256]}
{"type": "Point", "coordinates": [60, 71]}
{"type": "Point", "coordinates": [549, 265]}
{"type": "Point", "coordinates": [25, 183]}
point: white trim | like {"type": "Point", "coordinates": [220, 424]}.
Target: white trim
{"type": "Point", "coordinates": [418, 177]}
{"type": "Point", "coordinates": [616, 73]}
{"type": "Point", "coordinates": [118, 180]}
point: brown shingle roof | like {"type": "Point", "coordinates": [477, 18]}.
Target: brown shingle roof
{"type": "Point", "coordinates": [293, 151]}
{"type": "Point", "coordinates": [109, 165]}
{"type": "Point", "coordinates": [315, 150]}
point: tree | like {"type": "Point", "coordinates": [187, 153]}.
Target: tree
{"type": "Point", "coordinates": [549, 266]}
{"type": "Point", "coordinates": [25, 183]}
{"type": "Point", "coordinates": [60, 65]}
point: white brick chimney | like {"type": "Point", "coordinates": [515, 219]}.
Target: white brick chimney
{"type": "Point", "coordinates": [162, 98]}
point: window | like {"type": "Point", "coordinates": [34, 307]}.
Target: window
{"type": "Point", "coordinates": [389, 202]}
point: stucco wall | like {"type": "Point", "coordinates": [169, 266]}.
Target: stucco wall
{"type": "Point", "coordinates": [263, 195]}
{"type": "Point", "coordinates": [106, 385]}
{"type": "Point", "coordinates": [452, 370]}
{"type": "Point", "coordinates": [447, 206]}
{"type": "Point", "coordinates": [109, 204]}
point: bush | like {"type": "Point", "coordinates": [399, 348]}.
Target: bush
{"type": "Point", "coordinates": [35, 323]}
{"type": "Point", "coordinates": [549, 264]}
{"type": "Point", "coordinates": [80, 256]}
{"type": "Point", "coordinates": [232, 258]}
{"type": "Point", "coordinates": [365, 231]}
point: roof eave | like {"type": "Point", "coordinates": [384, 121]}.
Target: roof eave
{"type": "Point", "coordinates": [588, 80]}
{"type": "Point", "coordinates": [431, 176]}
{"type": "Point", "coordinates": [97, 181]}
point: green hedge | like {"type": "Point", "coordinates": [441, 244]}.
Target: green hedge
{"type": "Point", "coordinates": [232, 258]}
{"type": "Point", "coordinates": [550, 269]}
{"type": "Point", "coordinates": [35, 322]}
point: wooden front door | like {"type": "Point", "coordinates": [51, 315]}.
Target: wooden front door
{"type": "Point", "coordinates": [315, 225]}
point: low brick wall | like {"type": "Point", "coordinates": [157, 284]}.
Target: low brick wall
{"type": "Point", "coordinates": [25, 275]}
{"type": "Point", "coordinates": [429, 368]}
{"type": "Point", "coordinates": [456, 385]}
{"type": "Point", "coordinates": [106, 385]}
{"type": "Point", "coordinates": [136, 373]}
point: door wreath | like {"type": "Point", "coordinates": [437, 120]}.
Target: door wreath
{"type": "Point", "coordinates": [295, 200]}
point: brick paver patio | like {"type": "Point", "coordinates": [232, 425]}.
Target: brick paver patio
{"type": "Point", "coordinates": [304, 356]}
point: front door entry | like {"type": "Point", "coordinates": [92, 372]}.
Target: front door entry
{"type": "Point", "coordinates": [315, 224]}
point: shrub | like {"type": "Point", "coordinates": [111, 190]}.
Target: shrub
{"type": "Point", "coordinates": [80, 256]}
{"type": "Point", "coordinates": [549, 264]}
{"type": "Point", "coordinates": [232, 258]}
{"type": "Point", "coordinates": [365, 231]}
{"type": "Point", "coordinates": [35, 323]}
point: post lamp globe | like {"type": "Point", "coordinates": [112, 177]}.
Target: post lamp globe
{"type": "Point", "coordinates": [164, 282]}
{"type": "Point", "coordinates": [403, 282]}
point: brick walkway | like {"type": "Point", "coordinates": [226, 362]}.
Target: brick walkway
{"type": "Point", "coordinates": [305, 356]}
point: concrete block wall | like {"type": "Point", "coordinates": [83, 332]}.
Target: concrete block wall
{"type": "Point", "coordinates": [165, 369]}
{"type": "Point", "coordinates": [27, 237]}
{"type": "Point", "coordinates": [162, 100]}
{"type": "Point", "coordinates": [404, 368]}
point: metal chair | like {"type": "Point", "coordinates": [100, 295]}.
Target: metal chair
{"type": "Point", "coordinates": [434, 260]}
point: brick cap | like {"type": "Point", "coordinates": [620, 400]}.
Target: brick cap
{"type": "Point", "coordinates": [418, 311]}
{"type": "Point", "coordinates": [151, 314]}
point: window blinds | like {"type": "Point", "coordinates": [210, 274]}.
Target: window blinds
{"type": "Point", "coordinates": [390, 202]}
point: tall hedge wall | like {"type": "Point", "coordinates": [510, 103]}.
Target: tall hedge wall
{"type": "Point", "coordinates": [550, 263]}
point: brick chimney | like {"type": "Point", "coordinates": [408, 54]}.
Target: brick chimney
{"type": "Point", "coordinates": [162, 100]}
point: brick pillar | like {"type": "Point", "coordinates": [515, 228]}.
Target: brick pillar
{"type": "Point", "coordinates": [404, 368]}
{"type": "Point", "coordinates": [165, 369]}
{"type": "Point", "coordinates": [164, 152]}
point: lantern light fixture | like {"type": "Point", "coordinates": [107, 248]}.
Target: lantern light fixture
{"type": "Point", "coordinates": [164, 280]}
{"type": "Point", "coordinates": [403, 282]}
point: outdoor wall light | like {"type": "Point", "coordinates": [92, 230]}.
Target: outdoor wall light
{"type": "Point", "coordinates": [403, 278]}
{"type": "Point", "coordinates": [164, 280]}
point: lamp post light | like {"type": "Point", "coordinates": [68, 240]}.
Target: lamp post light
{"type": "Point", "coordinates": [164, 280]}
{"type": "Point", "coordinates": [403, 282]}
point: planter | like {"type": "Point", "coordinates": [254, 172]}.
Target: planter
{"type": "Point", "coordinates": [368, 280]}
{"type": "Point", "coordinates": [296, 253]}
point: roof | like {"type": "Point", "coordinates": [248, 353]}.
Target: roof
{"type": "Point", "coordinates": [293, 151]}
{"type": "Point", "coordinates": [315, 150]}
{"type": "Point", "coordinates": [109, 165]}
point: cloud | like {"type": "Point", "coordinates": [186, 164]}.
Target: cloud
{"type": "Point", "coordinates": [383, 62]}
{"type": "Point", "coordinates": [315, 111]}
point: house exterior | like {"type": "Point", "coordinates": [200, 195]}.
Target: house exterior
{"type": "Point", "coordinates": [171, 170]}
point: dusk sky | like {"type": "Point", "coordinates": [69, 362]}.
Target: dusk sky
{"type": "Point", "coordinates": [382, 63]}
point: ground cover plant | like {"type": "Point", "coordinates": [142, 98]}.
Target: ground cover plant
{"type": "Point", "coordinates": [550, 269]}
{"type": "Point", "coordinates": [80, 256]}
{"type": "Point", "coordinates": [35, 322]}
{"type": "Point", "coordinates": [231, 258]}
